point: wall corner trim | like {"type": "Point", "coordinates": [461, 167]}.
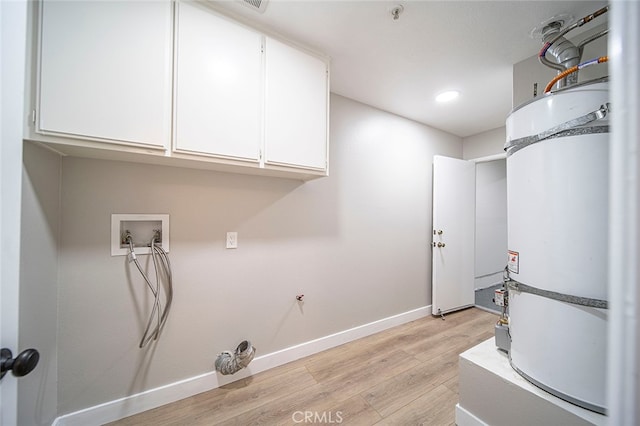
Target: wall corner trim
{"type": "Point", "coordinates": [147, 400]}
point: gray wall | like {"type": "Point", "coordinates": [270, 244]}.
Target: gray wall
{"type": "Point", "coordinates": [40, 223]}
{"type": "Point", "coordinates": [355, 243]}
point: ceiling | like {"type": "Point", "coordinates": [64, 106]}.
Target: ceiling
{"type": "Point", "coordinates": [401, 65]}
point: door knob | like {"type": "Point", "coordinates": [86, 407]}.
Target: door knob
{"type": "Point", "coordinates": [21, 365]}
{"type": "Point", "coordinates": [440, 244]}
{"type": "Point", "coordinates": [439, 231]}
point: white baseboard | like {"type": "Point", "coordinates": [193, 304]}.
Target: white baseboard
{"type": "Point", "coordinates": [134, 404]}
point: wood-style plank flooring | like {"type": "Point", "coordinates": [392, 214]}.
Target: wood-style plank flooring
{"type": "Point", "coordinates": [407, 375]}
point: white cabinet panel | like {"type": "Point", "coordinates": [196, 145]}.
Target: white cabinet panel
{"type": "Point", "coordinates": [105, 70]}
{"type": "Point", "coordinates": [296, 107]}
{"type": "Point", "coordinates": [176, 83]}
{"type": "Point", "coordinates": [218, 85]}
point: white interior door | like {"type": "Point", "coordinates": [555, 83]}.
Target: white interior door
{"type": "Point", "coordinates": [454, 199]}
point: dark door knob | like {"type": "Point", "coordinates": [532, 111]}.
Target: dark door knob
{"type": "Point", "coordinates": [21, 365]}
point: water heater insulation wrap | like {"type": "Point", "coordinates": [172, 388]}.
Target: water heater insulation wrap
{"type": "Point", "coordinates": [557, 223]}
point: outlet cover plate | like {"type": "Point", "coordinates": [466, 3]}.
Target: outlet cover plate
{"type": "Point", "coordinates": [232, 240]}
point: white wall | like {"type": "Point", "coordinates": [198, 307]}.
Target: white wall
{"type": "Point", "coordinates": [355, 243]}
{"type": "Point", "coordinates": [37, 392]}
{"type": "Point", "coordinates": [484, 144]}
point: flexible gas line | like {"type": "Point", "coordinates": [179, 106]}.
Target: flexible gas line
{"type": "Point", "coordinates": [573, 69]}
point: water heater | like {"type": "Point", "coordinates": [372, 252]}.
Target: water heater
{"type": "Point", "coordinates": [557, 186]}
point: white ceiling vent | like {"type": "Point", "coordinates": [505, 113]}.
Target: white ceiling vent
{"type": "Point", "coordinates": [257, 5]}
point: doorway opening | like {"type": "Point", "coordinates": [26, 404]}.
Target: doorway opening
{"type": "Point", "coordinates": [490, 230]}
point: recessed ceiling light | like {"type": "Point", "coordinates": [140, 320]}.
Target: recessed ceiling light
{"type": "Point", "coordinates": [447, 96]}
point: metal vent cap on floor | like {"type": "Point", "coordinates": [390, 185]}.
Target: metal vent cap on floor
{"type": "Point", "coordinates": [257, 5]}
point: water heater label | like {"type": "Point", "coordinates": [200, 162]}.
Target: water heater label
{"type": "Point", "coordinates": [514, 262]}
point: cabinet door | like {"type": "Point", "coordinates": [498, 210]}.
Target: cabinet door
{"type": "Point", "coordinates": [218, 85]}
{"type": "Point", "coordinates": [105, 70]}
{"type": "Point", "coordinates": [296, 107]}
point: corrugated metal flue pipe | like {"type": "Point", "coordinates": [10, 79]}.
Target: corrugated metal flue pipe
{"type": "Point", "coordinates": [564, 52]}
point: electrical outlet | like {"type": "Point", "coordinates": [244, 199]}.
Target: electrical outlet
{"type": "Point", "coordinates": [232, 240]}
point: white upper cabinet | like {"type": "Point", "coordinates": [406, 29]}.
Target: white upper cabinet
{"type": "Point", "coordinates": [218, 85]}
{"type": "Point", "coordinates": [105, 71]}
{"type": "Point", "coordinates": [176, 83]}
{"type": "Point", "coordinates": [296, 107]}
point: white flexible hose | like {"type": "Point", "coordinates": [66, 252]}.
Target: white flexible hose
{"type": "Point", "coordinates": [157, 313]}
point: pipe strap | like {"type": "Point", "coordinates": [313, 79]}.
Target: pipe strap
{"type": "Point", "coordinates": [576, 300]}
{"type": "Point", "coordinates": [568, 128]}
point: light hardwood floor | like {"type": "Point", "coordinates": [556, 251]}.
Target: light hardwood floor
{"type": "Point", "coordinates": [407, 375]}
